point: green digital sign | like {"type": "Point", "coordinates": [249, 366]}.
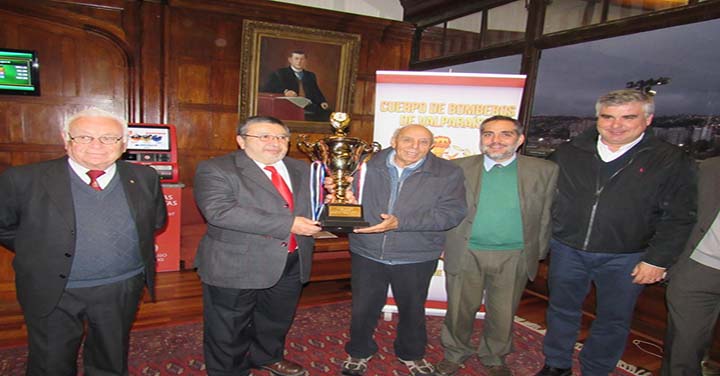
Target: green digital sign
{"type": "Point", "coordinates": [18, 72]}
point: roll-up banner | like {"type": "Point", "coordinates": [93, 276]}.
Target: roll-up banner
{"type": "Point", "coordinates": [452, 106]}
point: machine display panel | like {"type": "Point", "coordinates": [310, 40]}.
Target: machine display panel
{"type": "Point", "coordinates": [148, 138]}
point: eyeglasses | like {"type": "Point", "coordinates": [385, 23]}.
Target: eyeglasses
{"type": "Point", "coordinates": [269, 137]}
{"type": "Point", "coordinates": [105, 140]}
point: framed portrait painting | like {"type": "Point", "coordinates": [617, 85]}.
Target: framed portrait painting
{"type": "Point", "coordinates": [297, 74]}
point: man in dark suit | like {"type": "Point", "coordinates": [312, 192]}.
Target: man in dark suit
{"type": "Point", "coordinates": [296, 81]}
{"type": "Point", "coordinates": [693, 295]}
{"type": "Point", "coordinates": [82, 229]}
{"type": "Point", "coordinates": [257, 251]}
{"type": "Point", "coordinates": [496, 248]}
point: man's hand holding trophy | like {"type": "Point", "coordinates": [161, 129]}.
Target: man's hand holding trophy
{"type": "Point", "coordinates": [338, 158]}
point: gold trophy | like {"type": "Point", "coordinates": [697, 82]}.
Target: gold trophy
{"type": "Point", "coordinates": [340, 157]}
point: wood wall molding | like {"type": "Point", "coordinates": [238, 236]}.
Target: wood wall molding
{"type": "Point", "coordinates": [204, 54]}
{"type": "Point", "coordinates": [53, 11]}
{"type": "Point", "coordinates": [174, 61]}
{"type": "Point", "coordinates": [79, 68]}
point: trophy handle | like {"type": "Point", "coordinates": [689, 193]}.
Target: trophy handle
{"type": "Point", "coordinates": [317, 151]}
{"type": "Point", "coordinates": [370, 150]}
{"type": "Point", "coordinates": [303, 145]}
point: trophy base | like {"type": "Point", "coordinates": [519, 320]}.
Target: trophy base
{"type": "Point", "coordinates": [342, 218]}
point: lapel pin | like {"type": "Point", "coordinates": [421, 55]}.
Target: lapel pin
{"type": "Point", "coordinates": [132, 181]}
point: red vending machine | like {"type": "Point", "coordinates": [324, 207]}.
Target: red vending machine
{"type": "Point", "coordinates": [155, 145]}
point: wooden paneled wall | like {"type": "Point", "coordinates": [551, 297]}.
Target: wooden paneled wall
{"type": "Point", "coordinates": [174, 61]}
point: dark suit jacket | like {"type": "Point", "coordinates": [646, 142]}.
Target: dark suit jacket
{"type": "Point", "coordinates": [245, 246]}
{"type": "Point", "coordinates": [37, 222]}
{"type": "Point", "coordinates": [284, 79]}
{"type": "Point", "coordinates": [536, 186]}
{"type": "Point", "coordinates": [708, 206]}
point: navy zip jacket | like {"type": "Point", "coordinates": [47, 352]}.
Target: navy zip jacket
{"type": "Point", "coordinates": [647, 205]}
{"type": "Point", "coordinates": [431, 201]}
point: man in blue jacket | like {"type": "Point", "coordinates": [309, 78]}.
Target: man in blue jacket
{"type": "Point", "coordinates": [410, 197]}
{"type": "Point", "coordinates": [625, 206]}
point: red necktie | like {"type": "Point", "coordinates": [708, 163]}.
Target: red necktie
{"type": "Point", "coordinates": [94, 174]}
{"type": "Point", "coordinates": [284, 191]}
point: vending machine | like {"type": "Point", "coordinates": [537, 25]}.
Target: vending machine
{"type": "Point", "coordinates": [155, 145]}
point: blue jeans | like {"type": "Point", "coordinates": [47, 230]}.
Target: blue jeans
{"type": "Point", "coordinates": [571, 273]}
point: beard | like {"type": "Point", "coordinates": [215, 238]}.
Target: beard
{"type": "Point", "coordinates": [502, 155]}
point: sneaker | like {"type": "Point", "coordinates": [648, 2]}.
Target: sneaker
{"type": "Point", "coordinates": [355, 366]}
{"type": "Point", "coordinates": [419, 367]}
{"type": "Point", "coordinates": [552, 371]}
{"type": "Point", "coordinates": [446, 368]}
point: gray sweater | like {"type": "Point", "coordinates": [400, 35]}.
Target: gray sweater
{"type": "Point", "coordinates": [106, 248]}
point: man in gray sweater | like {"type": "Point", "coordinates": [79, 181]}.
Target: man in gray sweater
{"type": "Point", "coordinates": [693, 296]}
{"type": "Point", "coordinates": [82, 228]}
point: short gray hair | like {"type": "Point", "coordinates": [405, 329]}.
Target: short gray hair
{"type": "Point", "coordinates": [625, 96]}
{"type": "Point", "coordinates": [519, 129]}
{"type": "Point", "coordinates": [95, 112]}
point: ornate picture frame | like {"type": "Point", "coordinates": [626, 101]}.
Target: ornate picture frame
{"type": "Point", "coordinates": [330, 63]}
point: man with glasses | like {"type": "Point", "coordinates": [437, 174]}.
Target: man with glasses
{"type": "Point", "coordinates": [82, 229]}
{"type": "Point", "coordinates": [257, 251]}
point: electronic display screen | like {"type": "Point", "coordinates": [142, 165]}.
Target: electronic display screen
{"type": "Point", "coordinates": [19, 72]}
{"type": "Point", "coordinates": [148, 138]}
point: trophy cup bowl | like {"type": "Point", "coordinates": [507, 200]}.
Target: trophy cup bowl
{"type": "Point", "coordinates": [340, 156]}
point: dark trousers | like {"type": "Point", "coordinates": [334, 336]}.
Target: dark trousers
{"type": "Point", "coordinates": [246, 328]}
{"type": "Point", "coordinates": [693, 299]}
{"type": "Point", "coordinates": [108, 311]}
{"type": "Point", "coordinates": [571, 273]}
{"type": "Point", "coordinates": [370, 281]}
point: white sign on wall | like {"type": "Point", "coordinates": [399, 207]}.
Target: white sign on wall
{"type": "Point", "coordinates": [451, 105]}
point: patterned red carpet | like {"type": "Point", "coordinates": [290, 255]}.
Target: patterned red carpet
{"type": "Point", "coordinates": [316, 341]}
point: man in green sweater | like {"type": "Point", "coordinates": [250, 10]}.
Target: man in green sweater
{"type": "Point", "coordinates": [496, 248]}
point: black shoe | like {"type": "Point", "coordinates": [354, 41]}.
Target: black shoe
{"type": "Point", "coordinates": [285, 368]}
{"type": "Point", "coordinates": [446, 368]}
{"type": "Point", "coordinates": [552, 371]}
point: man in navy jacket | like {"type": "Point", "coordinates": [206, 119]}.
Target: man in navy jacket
{"type": "Point", "coordinates": [625, 206]}
{"type": "Point", "coordinates": [411, 198]}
